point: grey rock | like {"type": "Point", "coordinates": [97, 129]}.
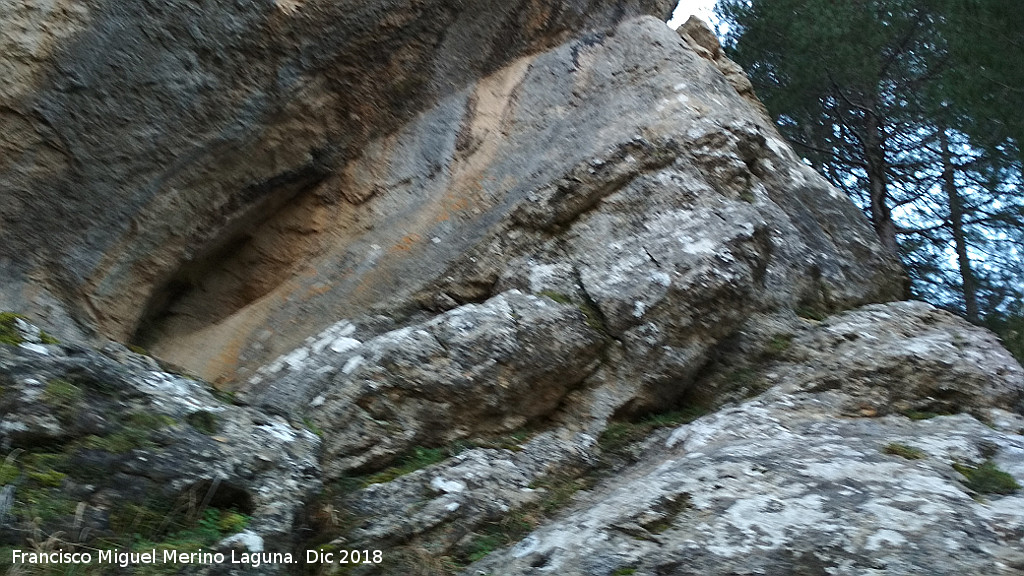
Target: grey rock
{"type": "Point", "coordinates": [488, 368]}
{"type": "Point", "coordinates": [792, 480]}
{"type": "Point", "coordinates": [123, 433]}
{"type": "Point", "coordinates": [178, 160]}
{"type": "Point", "coordinates": [669, 232]}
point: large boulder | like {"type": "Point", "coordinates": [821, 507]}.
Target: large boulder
{"type": "Point", "coordinates": [470, 271]}
{"type": "Point", "coordinates": [644, 248]}
{"type": "Point", "coordinates": [218, 197]}
{"type": "Point", "coordinates": [175, 168]}
{"type": "Point", "coordinates": [889, 442]}
{"type": "Point", "coordinates": [105, 448]}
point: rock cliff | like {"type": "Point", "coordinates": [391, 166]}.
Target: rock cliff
{"type": "Point", "coordinates": [494, 289]}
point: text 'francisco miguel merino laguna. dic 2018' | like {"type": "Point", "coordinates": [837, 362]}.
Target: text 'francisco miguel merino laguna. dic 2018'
{"type": "Point", "coordinates": [125, 559]}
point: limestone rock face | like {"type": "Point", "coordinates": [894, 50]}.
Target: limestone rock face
{"type": "Point", "coordinates": [275, 167]}
{"type": "Point", "coordinates": [844, 462]}
{"type": "Point", "coordinates": [785, 484]}
{"type": "Point", "coordinates": [110, 440]}
{"type": "Point", "coordinates": [472, 271]}
{"type": "Point", "coordinates": [644, 248]}
{"type": "Point", "coordinates": [156, 151]}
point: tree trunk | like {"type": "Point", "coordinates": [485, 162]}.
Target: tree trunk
{"type": "Point", "coordinates": [956, 225]}
{"type": "Point", "coordinates": [878, 184]}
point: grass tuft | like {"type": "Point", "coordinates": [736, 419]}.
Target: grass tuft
{"type": "Point", "coordinates": [903, 451]}
{"type": "Point", "coordinates": [420, 457]}
{"type": "Point", "coordinates": [987, 478]}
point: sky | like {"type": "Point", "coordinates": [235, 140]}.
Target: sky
{"type": "Point", "coordinates": [702, 8]}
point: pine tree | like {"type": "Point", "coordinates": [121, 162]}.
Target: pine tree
{"type": "Point", "coordinates": [913, 108]}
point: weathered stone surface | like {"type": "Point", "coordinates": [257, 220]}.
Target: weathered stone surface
{"type": "Point", "coordinates": [699, 38]}
{"type": "Point", "coordinates": [174, 167]}
{"type": "Point", "coordinates": [481, 369]}
{"type": "Point", "coordinates": [516, 238]}
{"type": "Point", "coordinates": [795, 481]}
{"type": "Point", "coordinates": [116, 441]}
{"type": "Point", "coordinates": [660, 247]}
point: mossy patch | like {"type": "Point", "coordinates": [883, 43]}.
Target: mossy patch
{"type": "Point", "coordinates": [419, 457]}
{"type": "Point", "coordinates": [206, 422]}
{"type": "Point", "coordinates": [590, 312]}
{"type": "Point", "coordinates": [9, 472]}
{"type": "Point", "coordinates": [43, 505]}
{"type": "Point", "coordinates": [147, 420]}
{"type": "Point", "coordinates": [137, 349]}
{"type": "Point", "coordinates": [225, 396]}
{"type": "Point", "coordinates": [483, 545]}
{"type": "Point", "coordinates": [312, 427]}
{"type": "Point", "coordinates": [42, 470]}
{"type": "Point", "coordinates": [556, 296]}
{"type": "Point", "coordinates": [619, 435]}
{"type": "Point", "coordinates": [777, 346]}
{"type": "Point", "coordinates": [9, 333]}
{"type": "Point", "coordinates": [120, 442]}
{"type": "Point", "coordinates": [903, 451]}
{"type": "Point", "coordinates": [987, 478]}
{"type": "Point", "coordinates": [62, 395]}
{"type": "Point", "coordinates": [920, 415]}
{"type": "Point", "coordinates": [624, 572]}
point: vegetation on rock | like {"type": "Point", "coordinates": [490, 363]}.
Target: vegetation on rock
{"type": "Point", "coordinates": [903, 451]}
{"type": "Point", "coordinates": [987, 478]}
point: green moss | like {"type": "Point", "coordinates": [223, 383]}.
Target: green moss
{"type": "Point", "coordinates": [618, 435]}
{"type": "Point", "coordinates": [60, 393]}
{"type": "Point", "coordinates": [206, 422]}
{"type": "Point", "coordinates": [120, 442]}
{"type": "Point", "coordinates": [9, 472]}
{"type": "Point", "coordinates": [137, 349]}
{"type": "Point", "coordinates": [9, 333]}
{"type": "Point", "coordinates": [313, 427]}
{"type": "Point", "coordinates": [231, 522]}
{"type": "Point", "coordinates": [903, 451]}
{"type": "Point", "coordinates": [50, 478]}
{"type": "Point", "coordinates": [624, 572]}
{"type": "Point", "coordinates": [777, 346]}
{"type": "Point", "coordinates": [592, 315]}
{"type": "Point", "coordinates": [41, 470]}
{"type": "Point", "coordinates": [919, 415]}
{"type": "Point", "coordinates": [419, 457]}
{"type": "Point", "coordinates": [987, 478]}
{"type": "Point", "coordinates": [556, 296]}
{"type": "Point", "coordinates": [148, 420]}
{"type": "Point", "coordinates": [558, 491]}
{"type": "Point", "coordinates": [225, 396]}
{"type": "Point", "coordinates": [483, 545]}
{"type": "Point", "coordinates": [47, 505]}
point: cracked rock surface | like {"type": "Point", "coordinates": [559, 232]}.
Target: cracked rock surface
{"type": "Point", "coordinates": [794, 481]}
{"type": "Point", "coordinates": [497, 288]}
